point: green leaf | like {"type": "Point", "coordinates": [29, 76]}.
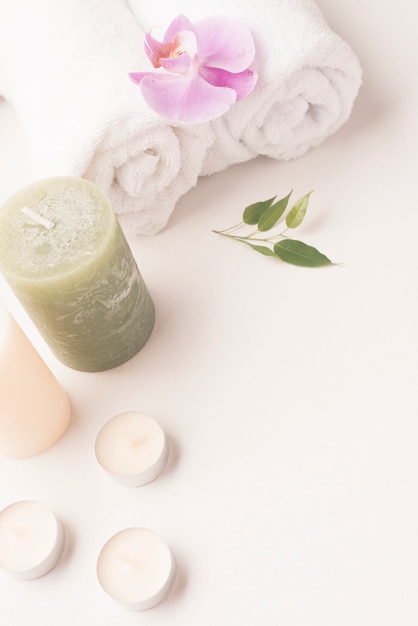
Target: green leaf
{"type": "Point", "coordinates": [253, 212]}
{"type": "Point", "coordinates": [299, 253]}
{"type": "Point", "coordinates": [272, 214]}
{"type": "Point", "coordinates": [262, 249]}
{"type": "Point", "coordinates": [297, 213]}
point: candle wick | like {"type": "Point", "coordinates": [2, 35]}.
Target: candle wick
{"type": "Point", "coordinates": [132, 563]}
{"type": "Point", "coordinates": [138, 441]}
{"type": "Point", "coordinates": [43, 221]}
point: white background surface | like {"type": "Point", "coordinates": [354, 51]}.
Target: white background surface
{"type": "Point", "coordinates": [289, 395]}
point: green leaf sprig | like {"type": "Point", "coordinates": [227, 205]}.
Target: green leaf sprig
{"type": "Point", "coordinates": [265, 215]}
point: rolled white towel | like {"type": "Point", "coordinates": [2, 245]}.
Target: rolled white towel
{"type": "Point", "coordinates": [308, 77]}
{"type": "Point", "coordinates": [64, 67]}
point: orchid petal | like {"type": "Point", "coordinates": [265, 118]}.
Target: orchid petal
{"type": "Point", "coordinates": [136, 77]}
{"type": "Point", "coordinates": [155, 50]}
{"type": "Point", "coordinates": [225, 43]}
{"type": "Point", "coordinates": [179, 64]}
{"type": "Point", "coordinates": [184, 41]}
{"type": "Point", "coordinates": [181, 22]}
{"type": "Point", "coordinates": [242, 83]}
{"type": "Point", "coordinates": [188, 100]}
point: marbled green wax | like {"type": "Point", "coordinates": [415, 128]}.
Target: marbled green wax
{"type": "Point", "coordinates": [74, 273]}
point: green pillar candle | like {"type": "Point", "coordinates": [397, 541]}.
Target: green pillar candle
{"type": "Point", "coordinates": [64, 255]}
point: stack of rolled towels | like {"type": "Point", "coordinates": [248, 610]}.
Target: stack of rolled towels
{"type": "Point", "coordinates": [64, 67]}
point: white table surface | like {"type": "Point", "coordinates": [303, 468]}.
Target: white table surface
{"type": "Point", "coordinates": [289, 395]}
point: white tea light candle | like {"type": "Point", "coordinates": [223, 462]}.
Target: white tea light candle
{"type": "Point", "coordinates": [34, 408]}
{"type": "Point", "coordinates": [136, 568]}
{"type": "Point", "coordinates": [133, 448]}
{"type": "Point", "coordinates": [31, 539]}
{"type": "Point", "coordinates": [66, 258]}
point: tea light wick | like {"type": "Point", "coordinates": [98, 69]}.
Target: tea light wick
{"type": "Point", "coordinates": [39, 219]}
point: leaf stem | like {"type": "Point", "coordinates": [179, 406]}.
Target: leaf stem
{"type": "Point", "coordinates": [251, 237]}
{"type": "Point", "coordinates": [221, 232]}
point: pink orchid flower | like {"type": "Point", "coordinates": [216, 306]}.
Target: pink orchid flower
{"type": "Point", "coordinates": [204, 68]}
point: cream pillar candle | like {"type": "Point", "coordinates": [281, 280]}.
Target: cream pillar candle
{"type": "Point", "coordinates": [66, 258]}
{"type": "Point", "coordinates": [133, 448]}
{"type": "Point", "coordinates": [34, 408]}
{"type": "Point", "coordinates": [136, 568]}
{"type": "Point", "coordinates": [31, 539]}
